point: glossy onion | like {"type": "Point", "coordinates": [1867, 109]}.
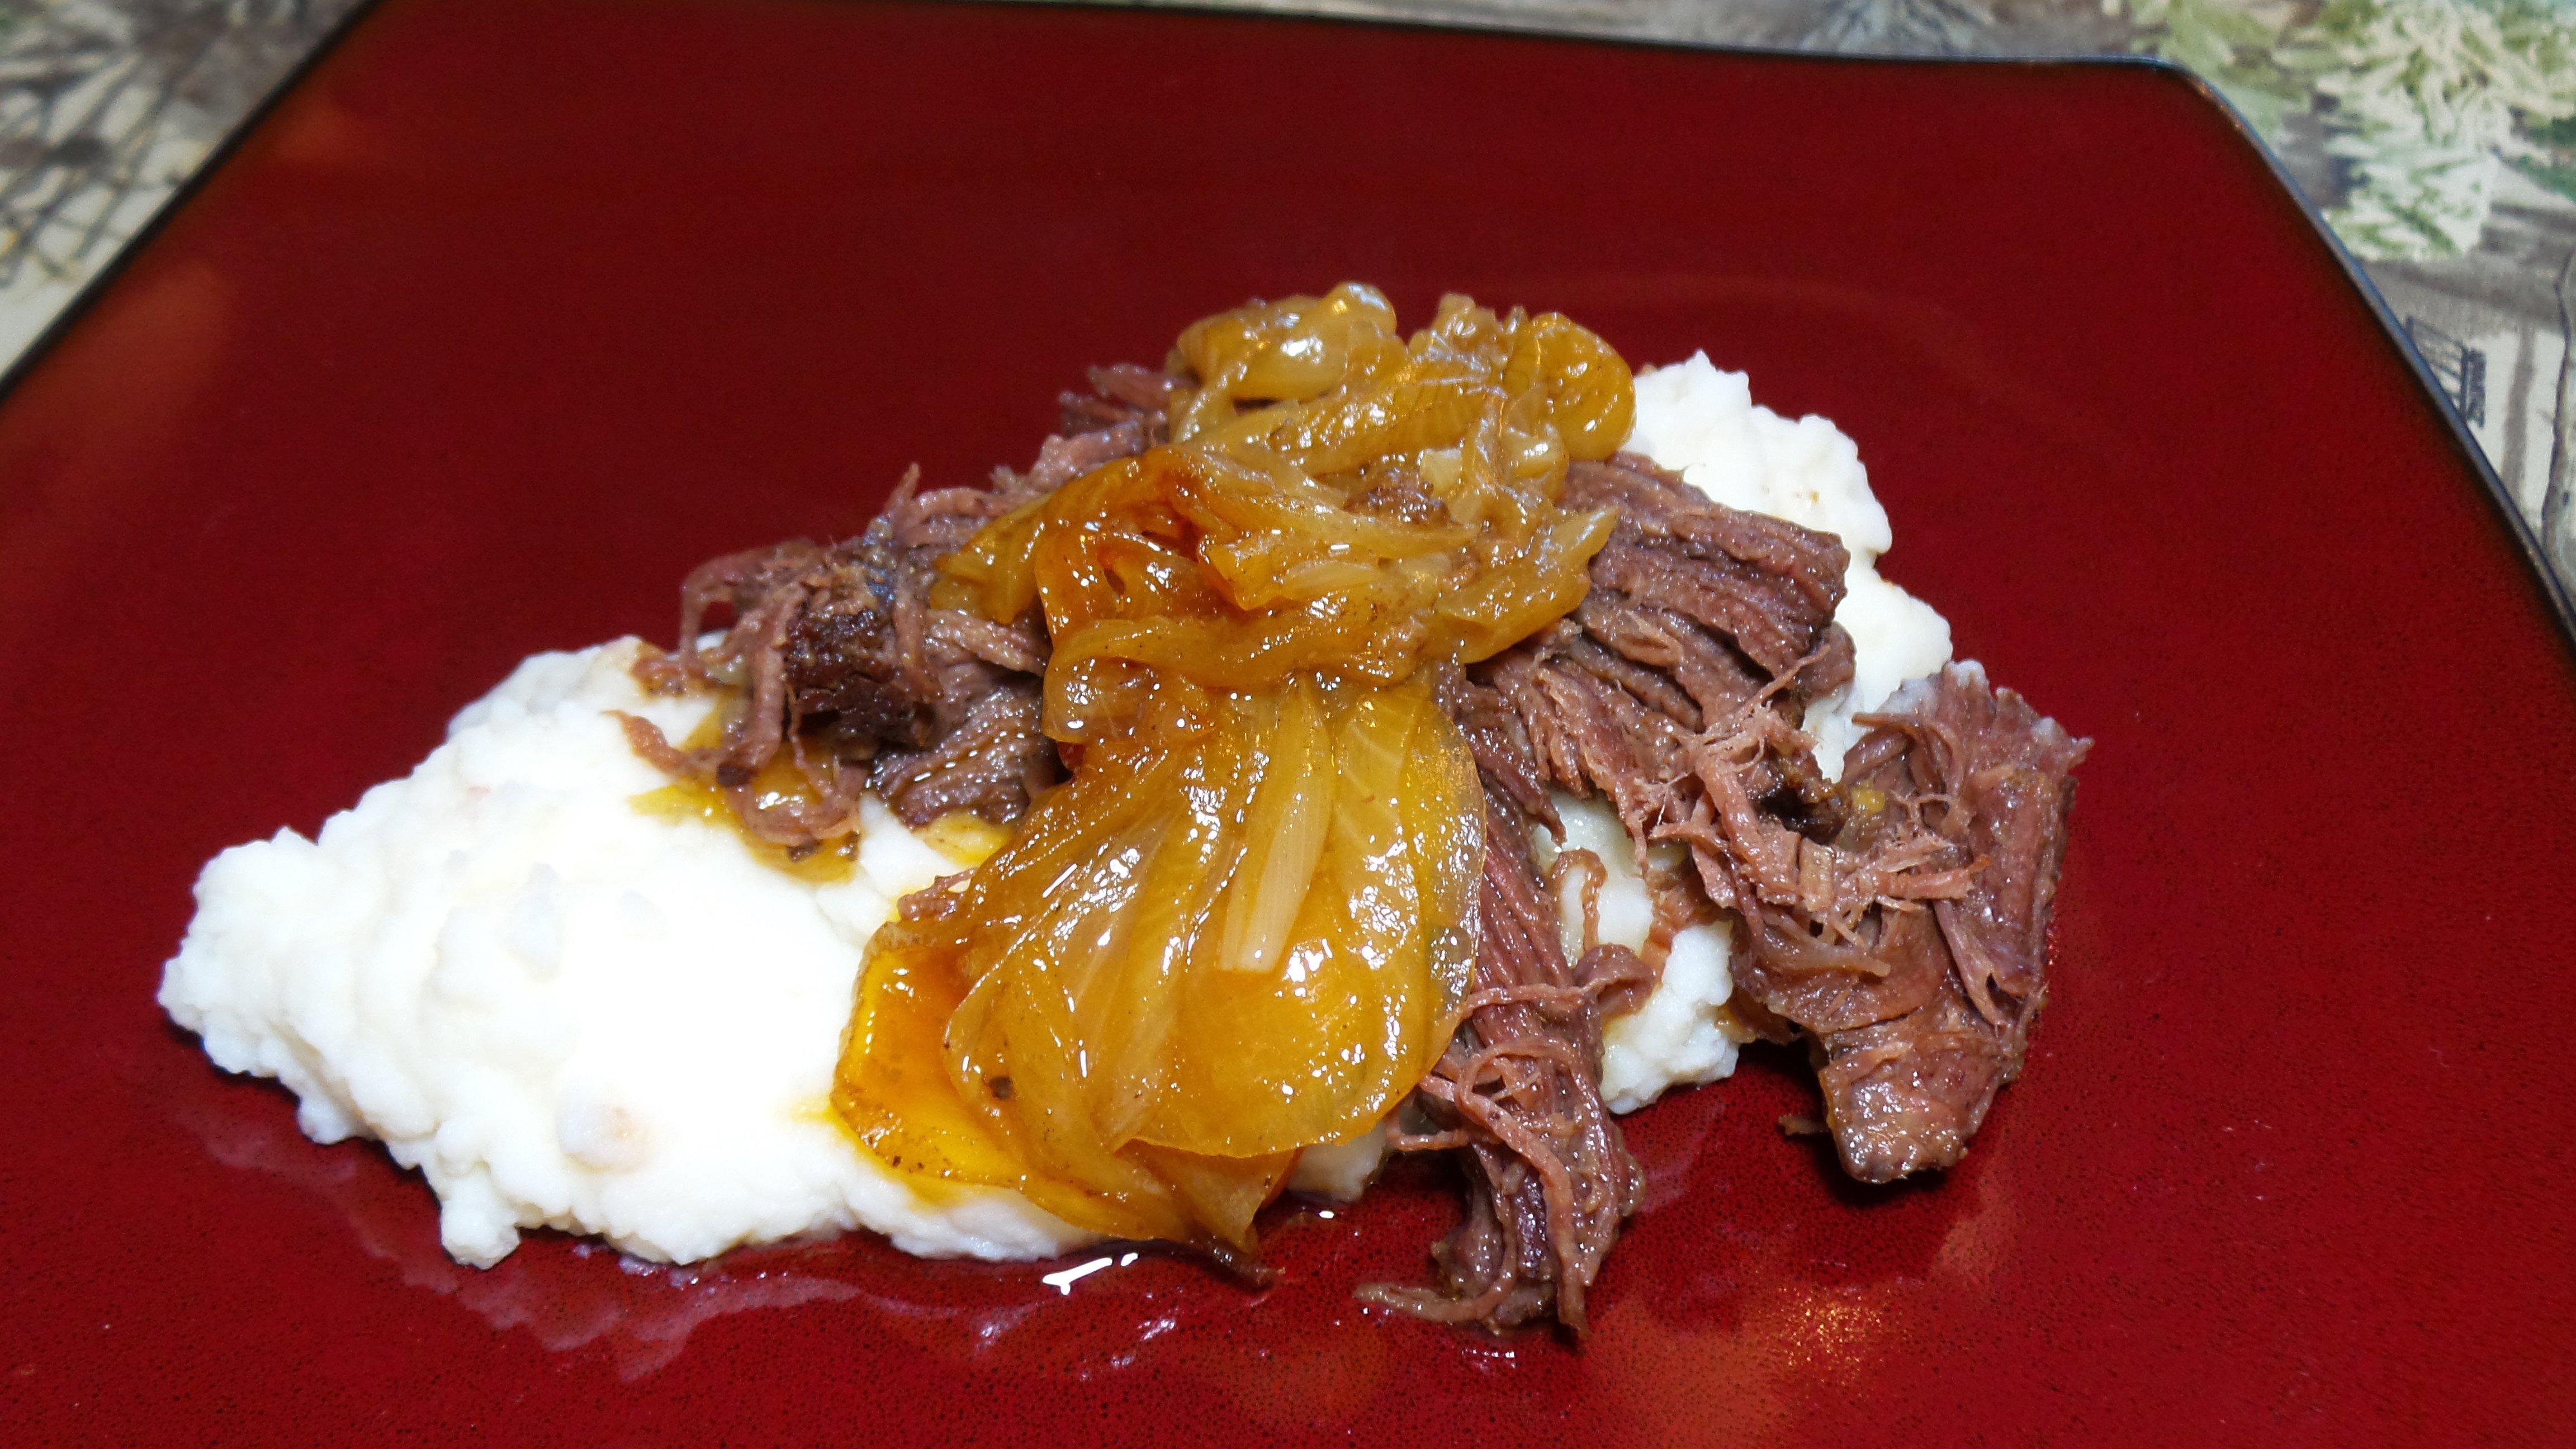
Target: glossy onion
{"type": "Point", "coordinates": [1245, 925]}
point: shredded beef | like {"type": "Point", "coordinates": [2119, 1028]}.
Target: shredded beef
{"type": "Point", "coordinates": [843, 661]}
{"type": "Point", "coordinates": [1908, 1072]}
{"type": "Point", "coordinates": [1494, 737]}
{"type": "Point", "coordinates": [1698, 613]}
{"type": "Point", "coordinates": [1897, 922]}
{"type": "Point", "coordinates": [1910, 949]}
{"type": "Point", "coordinates": [1518, 1096]}
{"type": "Point", "coordinates": [1767, 586]}
{"type": "Point", "coordinates": [1121, 393]}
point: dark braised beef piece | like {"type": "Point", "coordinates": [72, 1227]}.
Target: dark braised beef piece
{"type": "Point", "coordinates": [1898, 922]}
{"type": "Point", "coordinates": [1910, 1060]}
{"type": "Point", "coordinates": [1518, 1096]}
{"type": "Point", "coordinates": [1121, 393]}
{"type": "Point", "coordinates": [1909, 947]}
{"type": "Point", "coordinates": [1697, 614]}
{"type": "Point", "coordinates": [844, 663]}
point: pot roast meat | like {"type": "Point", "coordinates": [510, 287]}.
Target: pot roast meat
{"type": "Point", "coordinates": [1767, 586]}
{"type": "Point", "coordinates": [1120, 393]}
{"type": "Point", "coordinates": [1518, 1096]}
{"type": "Point", "coordinates": [1991, 777]}
{"type": "Point", "coordinates": [843, 662]}
{"type": "Point", "coordinates": [1911, 948]}
{"type": "Point", "coordinates": [1495, 739]}
{"type": "Point", "coordinates": [1897, 922]}
{"type": "Point", "coordinates": [990, 765]}
{"type": "Point", "coordinates": [1698, 614]}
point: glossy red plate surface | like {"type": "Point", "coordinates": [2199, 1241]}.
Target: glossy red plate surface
{"type": "Point", "coordinates": [515, 309]}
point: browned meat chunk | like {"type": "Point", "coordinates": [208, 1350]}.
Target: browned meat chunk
{"type": "Point", "coordinates": [1518, 1094]}
{"type": "Point", "coordinates": [1121, 393]}
{"type": "Point", "coordinates": [1900, 922]}
{"type": "Point", "coordinates": [1697, 613]}
{"type": "Point", "coordinates": [844, 663]}
{"type": "Point", "coordinates": [1911, 948]}
{"type": "Point", "coordinates": [1990, 778]}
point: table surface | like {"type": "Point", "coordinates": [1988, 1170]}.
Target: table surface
{"type": "Point", "coordinates": [2437, 137]}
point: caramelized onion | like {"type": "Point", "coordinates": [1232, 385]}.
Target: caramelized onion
{"type": "Point", "coordinates": [1245, 925]}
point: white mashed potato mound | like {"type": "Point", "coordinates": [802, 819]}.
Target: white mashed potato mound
{"type": "Point", "coordinates": [569, 1013]}
{"type": "Point", "coordinates": [563, 1011]}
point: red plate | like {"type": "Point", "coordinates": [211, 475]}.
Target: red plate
{"type": "Point", "coordinates": [517, 308]}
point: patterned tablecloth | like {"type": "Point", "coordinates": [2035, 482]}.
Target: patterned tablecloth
{"type": "Point", "coordinates": [2438, 137]}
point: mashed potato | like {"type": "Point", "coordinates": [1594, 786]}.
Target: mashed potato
{"type": "Point", "coordinates": [569, 1013]}
{"type": "Point", "coordinates": [563, 1011]}
{"type": "Point", "coordinates": [1674, 1039]}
